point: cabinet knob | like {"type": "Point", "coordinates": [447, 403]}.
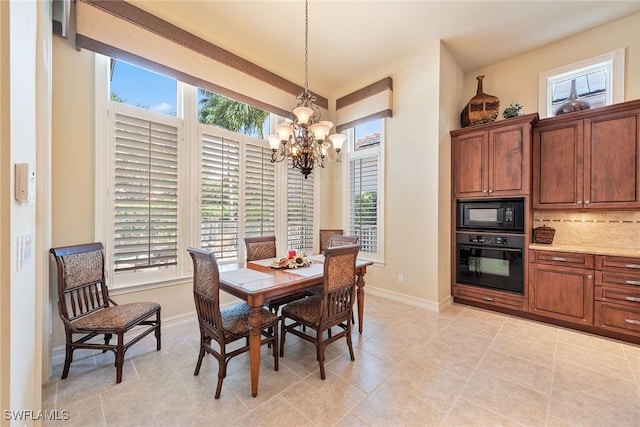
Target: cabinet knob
{"type": "Point", "coordinates": [579, 203]}
{"type": "Point", "coordinates": [490, 191]}
{"type": "Point", "coordinates": [586, 202]}
{"type": "Point", "coordinates": [589, 276]}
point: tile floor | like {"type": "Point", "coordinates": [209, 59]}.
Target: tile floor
{"type": "Point", "coordinates": [462, 367]}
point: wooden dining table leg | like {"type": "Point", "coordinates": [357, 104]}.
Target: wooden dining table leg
{"type": "Point", "coordinates": [360, 297]}
{"type": "Point", "coordinates": [254, 347]}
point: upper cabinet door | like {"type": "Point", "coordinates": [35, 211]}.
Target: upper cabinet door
{"type": "Point", "coordinates": [470, 165]}
{"type": "Point", "coordinates": [509, 160]}
{"type": "Point", "coordinates": [493, 160]}
{"type": "Point", "coordinates": [588, 159]}
{"type": "Point", "coordinates": [612, 160]}
{"type": "Point", "coordinates": [558, 165]}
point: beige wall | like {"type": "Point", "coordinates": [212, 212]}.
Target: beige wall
{"type": "Point", "coordinates": [429, 92]}
{"type": "Point", "coordinates": [516, 79]}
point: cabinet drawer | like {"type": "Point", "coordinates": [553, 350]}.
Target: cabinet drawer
{"type": "Point", "coordinates": [617, 263]}
{"type": "Point", "coordinates": [618, 318]}
{"type": "Point", "coordinates": [501, 299]}
{"type": "Point", "coordinates": [565, 259]}
{"type": "Point", "coordinates": [618, 278]}
{"type": "Point", "coordinates": [618, 294]}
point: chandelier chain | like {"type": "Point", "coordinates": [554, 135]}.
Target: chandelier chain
{"type": "Point", "coordinates": [304, 140]}
{"type": "Point", "coordinates": [306, 46]}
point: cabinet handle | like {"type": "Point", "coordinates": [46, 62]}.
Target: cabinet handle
{"type": "Point", "coordinates": [589, 276]}
{"type": "Point", "coordinates": [632, 299]}
{"type": "Point", "coordinates": [632, 282]}
{"type": "Point", "coordinates": [487, 298]}
{"type": "Point", "coordinates": [632, 265]}
{"type": "Point", "coordinates": [558, 258]}
{"type": "Point", "coordinates": [490, 191]}
{"type": "Point", "coordinates": [632, 321]}
{"type": "Point", "coordinates": [586, 202]}
{"type": "Point", "coordinates": [579, 203]}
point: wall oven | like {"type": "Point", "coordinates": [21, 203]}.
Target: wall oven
{"type": "Point", "coordinates": [504, 215]}
{"type": "Point", "coordinates": [490, 260]}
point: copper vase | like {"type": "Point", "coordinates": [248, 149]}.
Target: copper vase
{"type": "Point", "coordinates": [482, 108]}
{"type": "Point", "coordinates": [573, 103]}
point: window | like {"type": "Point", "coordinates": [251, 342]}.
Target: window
{"type": "Point", "coordinates": [364, 194]}
{"type": "Point", "coordinates": [141, 88]}
{"type": "Point", "coordinates": [599, 80]}
{"type": "Point", "coordinates": [300, 212]}
{"type": "Point", "coordinates": [145, 193]}
{"type": "Point", "coordinates": [165, 182]}
{"type": "Point", "coordinates": [219, 198]}
{"type": "Point", "coordinates": [259, 191]}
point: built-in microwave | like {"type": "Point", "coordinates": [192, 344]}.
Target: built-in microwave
{"type": "Point", "coordinates": [494, 214]}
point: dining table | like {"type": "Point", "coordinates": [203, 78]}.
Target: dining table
{"type": "Point", "coordinates": [257, 282]}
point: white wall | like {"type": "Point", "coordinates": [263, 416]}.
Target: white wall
{"type": "Point", "coordinates": [21, 331]}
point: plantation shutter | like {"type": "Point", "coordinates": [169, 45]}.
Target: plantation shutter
{"type": "Point", "coordinates": [299, 210]}
{"type": "Point", "coordinates": [220, 190]}
{"type": "Point", "coordinates": [259, 192]}
{"type": "Point", "coordinates": [363, 199]}
{"type": "Point", "coordinates": [146, 194]}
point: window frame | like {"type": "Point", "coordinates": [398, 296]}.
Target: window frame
{"type": "Point", "coordinates": [613, 62]}
{"type": "Point", "coordinates": [350, 154]}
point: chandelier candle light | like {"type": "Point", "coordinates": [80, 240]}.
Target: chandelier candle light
{"type": "Point", "coordinates": [304, 140]}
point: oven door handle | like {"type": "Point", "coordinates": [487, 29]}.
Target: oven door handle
{"type": "Point", "coordinates": [497, 248]}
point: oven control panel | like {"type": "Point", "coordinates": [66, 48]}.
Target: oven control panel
{"type": "Point", "coordinates": [488, 239]}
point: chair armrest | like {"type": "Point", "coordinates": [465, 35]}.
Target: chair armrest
{"type": "Point", "coordinates": [112, 301]}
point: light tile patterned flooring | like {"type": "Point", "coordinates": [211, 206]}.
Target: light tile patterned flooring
{"type": "Point", "coordinates": [462, 367]}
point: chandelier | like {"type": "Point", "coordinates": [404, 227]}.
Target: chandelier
{"type": "Point", "coordinates": [304, 140]}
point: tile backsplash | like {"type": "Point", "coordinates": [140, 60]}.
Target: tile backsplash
{"type": "Point", "coordinates": [616, 229]}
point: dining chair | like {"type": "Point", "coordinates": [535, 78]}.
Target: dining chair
{"type": "Point", "coordinates": [324, 238]}
{"type": "Point", "coordinates": [334, 307]}
{"type": "Point", "coordinates": [226, 325]}
{"type": "Point", "coordinates": [263, 248]}
{"type": "Point", "coordinates": [87, 310]}
{"type": "Point", "coordinates": [333, 241]}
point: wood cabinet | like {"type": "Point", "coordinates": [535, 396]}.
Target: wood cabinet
{"type": "Point", "coordinates": [489, 297]}
{"type": "Point", "coordinates": [617, 294]}
{"type": "Point", "coordinates": [493, 159]}
{"type": "Point", "coordinates": [588, 159]}
{"type": "Point", "coordinates": [561, 286]}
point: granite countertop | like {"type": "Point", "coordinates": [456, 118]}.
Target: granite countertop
{"type": "Point", "coordinates": [587, 249]}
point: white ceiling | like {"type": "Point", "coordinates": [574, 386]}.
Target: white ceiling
{"type": "Point", "coordinates": [347, 38]}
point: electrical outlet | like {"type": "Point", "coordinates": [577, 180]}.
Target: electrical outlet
{"type": "Point", "coordinates": [400, 278]}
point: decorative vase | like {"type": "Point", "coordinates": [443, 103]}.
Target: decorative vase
{"type": "Point", "coordinates": [573, 103]}
{"type": "Point", "coordinates": [482, 108]}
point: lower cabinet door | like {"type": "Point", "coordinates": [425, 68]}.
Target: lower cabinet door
{"type": "Point", "coordinates": [562, 293]}
{"type": "Point", "coordinates": [618, 318]}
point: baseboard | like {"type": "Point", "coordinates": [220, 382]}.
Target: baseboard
{"type": "Point", "coordinates": [407, 299]}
